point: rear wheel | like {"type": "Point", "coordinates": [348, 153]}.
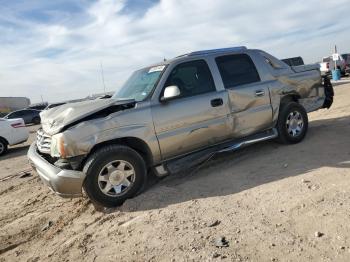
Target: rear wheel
{"type": "Point", "coordinates": [292, 123]}
{"type": "Point", "coordinates": [113, 174]}
{"type": "Point", "coordinates": [3, 146]}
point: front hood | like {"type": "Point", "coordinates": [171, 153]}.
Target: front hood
{"type": "Point", "coordinates": [55, 119]}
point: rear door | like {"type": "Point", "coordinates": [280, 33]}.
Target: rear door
{"type": "Point", "coordinates": [195, 120]}
{"type": "Point", "coordinates": [249, 96]}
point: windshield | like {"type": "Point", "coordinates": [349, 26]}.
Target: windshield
{"type": "Point", "coordinates": [140, 84]}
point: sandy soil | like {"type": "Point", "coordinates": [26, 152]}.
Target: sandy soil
{"type": "Point", "coordinates": [270, 202]}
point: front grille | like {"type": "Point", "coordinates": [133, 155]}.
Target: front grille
{"type": "Point", "coordinates": [43, 142]}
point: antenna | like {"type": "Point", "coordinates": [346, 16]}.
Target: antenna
{"type": "Point", "coordinates": [103, 78]}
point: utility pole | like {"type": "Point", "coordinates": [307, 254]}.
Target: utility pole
{"type": "Point", "coordinates": [103, 78]}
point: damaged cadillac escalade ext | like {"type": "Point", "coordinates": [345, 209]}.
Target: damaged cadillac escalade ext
{"type": "Point", "coordinates": [173, 115]}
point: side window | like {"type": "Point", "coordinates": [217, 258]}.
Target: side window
{"type": "Point", "coordinates": [237, 70]}
{"type": "Point", "coordinates": [14, 115]}
{"type": "Point", "coordinates": [192, 78]}
{"type": "Point", "coordinates": [21, 113]}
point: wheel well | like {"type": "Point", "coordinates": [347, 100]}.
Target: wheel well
{"type": "Point", "coordinates": [290, 98]}
{"type": "Point", "coordinates": [4, 140]}
{"type": "Point", "coordinates": [135, 143]}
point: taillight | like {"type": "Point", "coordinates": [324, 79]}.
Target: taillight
{"type": "Point", "coordinates": [327, 65]}
{"type": "Point", "coordinates": [17, 125]}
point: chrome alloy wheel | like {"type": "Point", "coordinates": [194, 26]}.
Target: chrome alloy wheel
{"type": "Point", "coordinates": [294, 124]}
{"type": "Point", "coordinates": [116, 178]}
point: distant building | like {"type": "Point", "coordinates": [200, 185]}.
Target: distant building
{"type": "Point", "coordinates": [8, 104]}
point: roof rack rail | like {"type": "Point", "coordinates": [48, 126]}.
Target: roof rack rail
{"type": "Point", "coordinates": [220, 50]}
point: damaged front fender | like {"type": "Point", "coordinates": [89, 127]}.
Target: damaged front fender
{"type": "Point", "coordinates": [56, 119]}
{"type": "Point", "coordinates": [81, 137]}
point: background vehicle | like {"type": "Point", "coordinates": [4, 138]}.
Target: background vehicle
{"type": "Point", "coordinates": [38, 106]}
{"type": "Point", "coordinates": [54, 105]}
{"type": "Point", "coordinates": [30, 116]}
{"type": "Point", "coordinates": [171, 116]}
{"type": "Point", "coordinates": [293, 61]}
{"type": "Point", "coordinates": [347, 62]}
{"type": "Point", "coordinates": [327, 65]}
{"type": "Point", "coordinates": [12, 131]}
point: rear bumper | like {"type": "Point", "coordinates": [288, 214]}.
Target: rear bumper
{"type": "Point", "coordinates": [18, 135]}
{"type": "Point", "coordinates": [329, 93]}
{"type": "Point", "coordinates": [65, 183]}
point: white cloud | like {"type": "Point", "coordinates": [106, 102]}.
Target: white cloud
{"type": "Point", "coordinates": [61, 59]}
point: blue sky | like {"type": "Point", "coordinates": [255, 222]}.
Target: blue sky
{"type": "Point", "coordinates": [55, 48]}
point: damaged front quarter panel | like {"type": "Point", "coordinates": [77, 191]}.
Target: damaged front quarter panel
{"type": "Point", "coordinates": [108, 124]}
{"type": "Point", "coordinates": [56, 119]}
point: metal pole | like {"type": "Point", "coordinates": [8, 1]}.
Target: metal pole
{"type": "Point", "coordinates": [103, 78]}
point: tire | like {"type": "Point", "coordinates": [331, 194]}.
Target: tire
{"type": "Point", "coordinates": [36, 120]}
{"type": "Point", "coordinates": [3, 147]}
{"type": "Point", "coordinates": [110, 166]}
{"type": "Point", "coordinates": [292, 124]}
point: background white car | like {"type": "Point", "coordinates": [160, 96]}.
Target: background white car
{"type": "Point", "coordinates": [12, 132]}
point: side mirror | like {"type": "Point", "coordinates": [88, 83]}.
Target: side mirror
{"type": "Point", "coordinates": [170, 92]}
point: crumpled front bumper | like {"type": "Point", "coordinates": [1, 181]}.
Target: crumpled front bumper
{"type": "Point", "coordinates": [65, 183]}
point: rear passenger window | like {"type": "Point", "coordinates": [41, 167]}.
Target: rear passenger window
{"type": "Point", "coordinates": [237, 70]}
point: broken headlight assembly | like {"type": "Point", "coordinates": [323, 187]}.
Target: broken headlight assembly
{"type": "Point", "coordinates": [58, 146]}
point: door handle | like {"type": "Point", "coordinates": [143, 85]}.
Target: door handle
{"type": "Point", "coordinates": [216, 102]}
{"type": "Point", "coordinates": [259, 93]}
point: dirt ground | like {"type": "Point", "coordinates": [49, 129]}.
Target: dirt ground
{"type": "Point", "coordinates": [270, 202]}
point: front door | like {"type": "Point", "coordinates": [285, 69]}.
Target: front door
{"type": "Point", "coordinates": [196, 119]}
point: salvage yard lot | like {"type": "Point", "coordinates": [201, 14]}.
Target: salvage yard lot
{"type": "Point", "coordinates": [271, 203]}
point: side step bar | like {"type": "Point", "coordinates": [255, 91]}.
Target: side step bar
{"type": "Point", "coordinates": [185, 162]}
{"type": "Point", "coordinates": [268, 135]}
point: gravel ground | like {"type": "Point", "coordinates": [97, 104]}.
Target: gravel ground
{"type": "Point", "coordinates": [267, 202]}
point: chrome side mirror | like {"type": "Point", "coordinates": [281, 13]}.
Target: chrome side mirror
{"type": "Point", "coordinates": [170, 92]}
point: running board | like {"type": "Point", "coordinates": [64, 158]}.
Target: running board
{"type": "Point", "coordinates": [188, 161]}
{"type": "Point", "coordinates": [268, 135]}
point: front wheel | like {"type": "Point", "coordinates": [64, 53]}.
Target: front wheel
{"type": "Point", "coordinates": [113, 174]}
{"type": "Point", "coordinates": [292, 123]}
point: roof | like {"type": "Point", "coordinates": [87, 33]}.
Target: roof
{"type": "Point", "coordinates": [215, 51]}
{"type": "Point", "coordinates": [201, 53]}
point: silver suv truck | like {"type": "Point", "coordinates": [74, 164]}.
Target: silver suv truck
{"type": "Point", "coordinates": [171, 116]}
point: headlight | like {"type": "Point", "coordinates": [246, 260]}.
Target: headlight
{"type": "Point", "coordinates": [58, 146]}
